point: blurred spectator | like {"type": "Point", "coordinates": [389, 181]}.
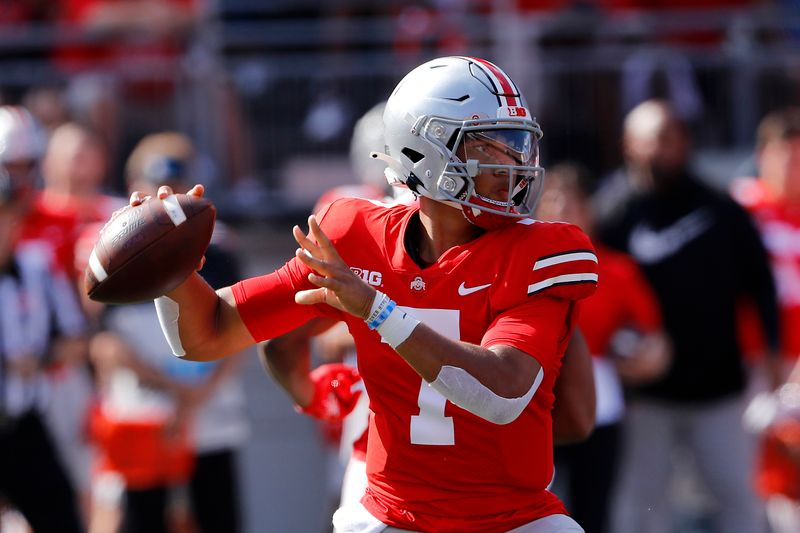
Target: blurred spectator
{"type": "Point", "coordinates": [16, 14]}
{"type": "Point", "coordinates": [74, 171]}
{"type": "Point", "coordinates": [40, 320]}
{"type": "Point", "coordinates": [367, 137]}
{"type": "Point", "coordinates": [50, 233]}
{"type": "Point", "coordinates": [122, 82]}
{"type": "Point", "coordinates": [21, 147]}
{"type": "Point", "coordinates": [47, 103]}
{"type": "Point", "coordinates": [701, 254]}
{"type": "Point", "coordinates": [46, 226]}
{"type": "Point", "coordinates": [622, 326]}
{"type": "Point", "coordinates": [774, 201]}
{"type": "Point", "coordinates": [189, 418]}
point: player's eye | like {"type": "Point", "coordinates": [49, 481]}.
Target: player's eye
{"type": "Point", "coordinates": [500, 173]}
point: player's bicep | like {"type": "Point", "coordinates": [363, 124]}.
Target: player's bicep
{"type": "Point", "coordinates": [537, 328]}
{"type": "Point", "coordinates": [574, 408]}
{"type": "Point", "coordinates": [524, 368]}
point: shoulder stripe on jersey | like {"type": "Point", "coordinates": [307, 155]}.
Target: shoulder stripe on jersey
{"type": "Point", "coordinates": [565, 279]}
{"type": "Point", "coordinates": [564, 257]}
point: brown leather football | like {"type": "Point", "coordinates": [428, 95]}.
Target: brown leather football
{"type": "Point", "coordinates": [145, 251]}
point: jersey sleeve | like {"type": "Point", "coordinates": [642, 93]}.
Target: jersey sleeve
{"type": "Point", "coordinates": [266, 303]}
{"type": "Point", "coordinates": [538, 327]}
{"type": "Point", "coordinates": [340, 217]}
{"type": "Point", "coordinates": [563, 265]}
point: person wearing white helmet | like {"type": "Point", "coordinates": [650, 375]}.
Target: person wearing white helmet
{"type": "Point", "coordinates": [333, 392]}
{"type": "Point", "coordinates": [41, 321]}
{"type": "Point", "coordinates": [48, 231]}
{"type": "Point", "coordinates": [461, 306]}
{"type": "Point", "coordinates": [21, 147]}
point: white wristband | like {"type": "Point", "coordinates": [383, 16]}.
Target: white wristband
{"type": "Point", "coordinates": [168, 312]}
{"type": "Point", "coordinates": [397, 327]}
{"type": "Point", "coordinates": [382, 305]}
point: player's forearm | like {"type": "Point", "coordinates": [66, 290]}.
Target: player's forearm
{"type": "Point", "coordinates": [207, 321]}
{"type": "Point", "coordinates": [496, 385]}
{"type": "Point", "coordinates": [427, 352]}
{"type": "Point", "coordinates": [289, 366]}
{"type": "Point", "coordinates": [575, 400]}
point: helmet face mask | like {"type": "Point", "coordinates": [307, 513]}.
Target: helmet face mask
{"type": "Point", "coordinates": [456, 122]}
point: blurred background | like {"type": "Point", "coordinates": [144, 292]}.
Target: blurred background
{"type": "Point", "coordinates": [269, 92]}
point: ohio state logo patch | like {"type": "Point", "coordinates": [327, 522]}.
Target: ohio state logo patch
{"type": "Point", "coordinates": [418, 284]}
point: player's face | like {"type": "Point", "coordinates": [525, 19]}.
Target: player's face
{"type": "Point", "coordinates": [510, 148]}
{"type": "Point", "coordinates": [779, 164]}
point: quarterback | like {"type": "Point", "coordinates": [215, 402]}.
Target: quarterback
{"type": "Point", "coordinates": [461, 307]}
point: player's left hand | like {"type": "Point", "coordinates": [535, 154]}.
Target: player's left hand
{"type": "Point", "coordinates": [335, 393]}
{"type": "Point", "coordinates": [338, 286]}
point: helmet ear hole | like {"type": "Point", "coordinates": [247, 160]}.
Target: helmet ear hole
{"type": "Point", "coordinates": [451, 142]}
{"type": "Point", "coordinates": [412, 155]}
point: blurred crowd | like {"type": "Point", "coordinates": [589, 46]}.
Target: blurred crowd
{"type": "Point", "coordinates": [694, 335]}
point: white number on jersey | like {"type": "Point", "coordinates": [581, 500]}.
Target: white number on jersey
{"type": "Point", "coordinates": [430, 426]}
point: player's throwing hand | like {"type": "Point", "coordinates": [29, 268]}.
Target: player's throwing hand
{"type": "Point", "coordinates": [339, 287]}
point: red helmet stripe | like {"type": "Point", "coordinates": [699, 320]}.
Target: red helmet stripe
{"type": "Point", "coordinates": [509, 91]}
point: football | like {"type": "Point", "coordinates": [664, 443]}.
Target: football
{"type": "Point", "coordinates": [145, 251]}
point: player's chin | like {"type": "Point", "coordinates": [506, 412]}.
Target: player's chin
{"type": "Point", "coordinates": [500, 196]}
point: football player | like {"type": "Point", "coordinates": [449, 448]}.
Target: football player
{"type": "Point", "coordinates": [461, 311]}
{"type": "Point", "coordinates": [773, 199]}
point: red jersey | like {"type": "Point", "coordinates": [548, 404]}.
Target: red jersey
{"type": "Point", "coordinates": [56, 222]}
{"type": "Point", "coordinates": [431, 465]}
{"type": "Point", "coordinates": [779, 225]}
{"type": "Point", "coordinates": [55, 230]}
{"type": "Point", "coordinates": [623, 298]}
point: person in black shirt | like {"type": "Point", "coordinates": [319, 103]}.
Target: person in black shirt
{"type": "Point", "coordinates": [702, 256]}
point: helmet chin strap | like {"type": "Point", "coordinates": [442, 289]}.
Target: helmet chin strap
{"type": "Point", "coordinates": [496, 203]}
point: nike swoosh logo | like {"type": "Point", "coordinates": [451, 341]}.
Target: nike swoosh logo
{"type": "Point", "coordinates": [464, 291]}
{"type": "Point", "coordinates": [651, 246]}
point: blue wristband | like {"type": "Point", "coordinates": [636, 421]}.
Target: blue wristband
{"type": "Point", "coordinates": [384, 314]}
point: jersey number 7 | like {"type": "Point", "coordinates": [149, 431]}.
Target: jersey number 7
{"type": "Point", "coordinates": [431, 426]}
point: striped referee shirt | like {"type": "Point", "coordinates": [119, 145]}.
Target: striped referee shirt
{"type": "Point", "coordinates": [36, 304]}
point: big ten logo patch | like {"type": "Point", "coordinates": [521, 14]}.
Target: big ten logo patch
{"type": "Point", "coordinates": [512, 112]}
{"type": "Point", "coordinates": [372, 277]}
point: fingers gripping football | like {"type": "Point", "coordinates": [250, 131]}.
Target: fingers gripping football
{"type": "Point", "coordinates": [149, 247]}
{"type": "Point", "coordinates": [138, 197]}
{"type": "Point", "coordinates": [334, 394]}
{"type": "Point", "coordinates": [338, 286]}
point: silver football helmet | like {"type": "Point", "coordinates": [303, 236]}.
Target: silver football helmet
{"type": "Point", "coordinates": [21, 137]}
{"type": "Point", "coordinates": [440, 118]}
{"type": "Point", "coordinates": [368, 137]}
